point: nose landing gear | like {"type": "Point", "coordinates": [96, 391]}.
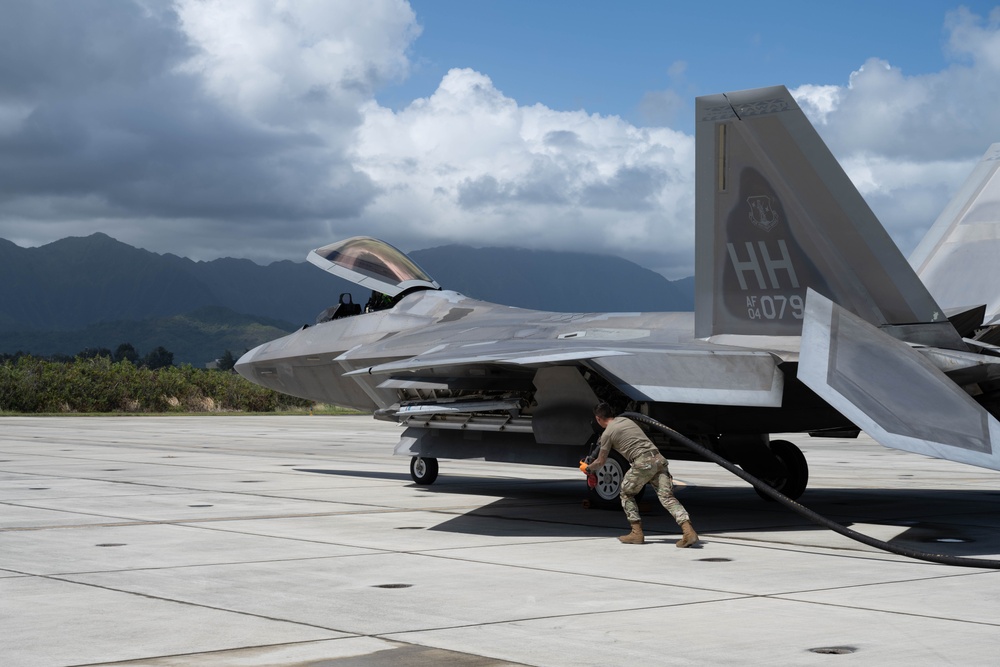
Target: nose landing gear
{"type": "Point", "coordinates": [423, 470]}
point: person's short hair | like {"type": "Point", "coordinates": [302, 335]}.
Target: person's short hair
{"type": "Point", "coordinates": [604, 410]}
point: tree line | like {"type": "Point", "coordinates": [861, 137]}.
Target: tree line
{"type": "Point", "coordinates": [105, 381]}
{"type": "Point", "coordinates": [158, 357]}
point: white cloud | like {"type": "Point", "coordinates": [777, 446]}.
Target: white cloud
{"type": "Point", "coordinates": [817, 102]}
{"type": "Point", "coordinates": [974, 37]}
{"type": "Point", "coordinates": [307, 61]}
{"type": "Point", "coordinates": [470, 165]}
{"type": "Point", "coordinates": [906, 195]}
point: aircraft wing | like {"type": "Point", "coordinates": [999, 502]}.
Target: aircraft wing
{"type": "Point", "coordinates": [890, 390]}
{"type": "Point", "coordinates": [498, 353]}
{"type": "Point", "coordinates": [691, 373]}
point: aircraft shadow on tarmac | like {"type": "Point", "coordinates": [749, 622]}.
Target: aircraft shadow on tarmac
{"type": "Point", "coordinates": [942, 521]}
{"type": "Point", "coordinates": [402, 476]}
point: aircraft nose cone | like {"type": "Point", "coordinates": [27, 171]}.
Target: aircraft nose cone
{"type": "Point", "coordinates": [244, 365]}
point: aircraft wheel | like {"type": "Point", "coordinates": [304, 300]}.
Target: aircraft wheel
{"type": "Point", "coordinates": [423, 471]}
{"type": "Point", "coordinates": [606, 495]}
{"type": "Point", "coordinates": [793, 483]}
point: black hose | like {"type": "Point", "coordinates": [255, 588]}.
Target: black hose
{"type": "Point", "coordinates": [764, 487]}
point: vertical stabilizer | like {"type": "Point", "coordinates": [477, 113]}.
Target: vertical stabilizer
{"type": "Point", "coordinates": [958, 258]}
{"type": "Point", "coordinates": [777, 215]}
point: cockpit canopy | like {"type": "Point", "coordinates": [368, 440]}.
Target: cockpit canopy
{"type": "Point", "coordinates": [372, 264]}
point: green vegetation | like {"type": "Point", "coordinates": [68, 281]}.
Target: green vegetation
{"type": "Point", "coordinates": [99, 384]}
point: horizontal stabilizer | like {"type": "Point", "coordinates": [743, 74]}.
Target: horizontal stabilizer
{"type": "Point", "coordinates": [890, 390]}
{"type": "Point", "coordinates": [966, 320]}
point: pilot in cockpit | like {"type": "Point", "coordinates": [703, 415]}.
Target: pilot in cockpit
{"type": "Point", "coordinates": [378, 301]}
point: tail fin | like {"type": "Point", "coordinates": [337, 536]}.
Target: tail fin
{"type": "Point", "coordinates": [957, 259]}
{"type": "Point", "coordinates": [776, 215]}
{"type": "Point", "coordinates": [777, 218]}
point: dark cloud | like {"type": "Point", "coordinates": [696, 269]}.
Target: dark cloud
{"type": "Point", "coordinates": [544, 183]}
{"type": "Point", "coordinates": [55, 48]}
{"type": "Point", "coordinates": [562, 139]}
{"type": "Point", "coordinates": [102, 117]}
{"type": "Point", "coordinates": [630, 189]}
{"type": "Point", "coordinates": [482, 191]}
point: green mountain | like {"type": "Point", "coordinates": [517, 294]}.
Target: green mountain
{"type": "Point", "coordinates": [75, 282]}
{"type": "Point", "coordinates": [561, 281]}
{"type": "Point", "coordinates": [195, 338]}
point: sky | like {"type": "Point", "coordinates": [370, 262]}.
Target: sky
{"type": "Point", "coordinates": [264, 129]}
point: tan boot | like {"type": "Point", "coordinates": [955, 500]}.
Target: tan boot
{"type": "Point", "coordinates": [635, 537]}
{"type": "Point", "coordinates": [690, 537]}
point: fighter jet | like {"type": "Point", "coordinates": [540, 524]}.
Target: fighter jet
{"type": "Point", "coordinates": [808, 319]}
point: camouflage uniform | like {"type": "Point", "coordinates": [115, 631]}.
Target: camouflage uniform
{"type": "Point", "coordinates": [647, 466]}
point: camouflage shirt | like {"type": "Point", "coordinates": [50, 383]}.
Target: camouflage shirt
{"type": "Point", "coordinates": [624, 435]}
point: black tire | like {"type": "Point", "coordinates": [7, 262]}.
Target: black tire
{"type": "Point", "coordinates": [793, 483]}
{"type": "Point", "coordinates": [607, 493]}
{"type": "Point", "coordinates": [423, 470]}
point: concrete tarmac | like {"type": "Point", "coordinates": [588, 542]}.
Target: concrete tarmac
{"type": "Point", "coordinates": [258, 540]}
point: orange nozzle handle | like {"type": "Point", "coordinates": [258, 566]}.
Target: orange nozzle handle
{"type": "Point", "coordinates": [583, 466]}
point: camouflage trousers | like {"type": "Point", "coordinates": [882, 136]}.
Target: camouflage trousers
{"type": "Point", "coordinates": [650, 469]}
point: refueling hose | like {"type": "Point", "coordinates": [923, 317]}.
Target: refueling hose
{"type": "Point", "coordinates": [764, 487]}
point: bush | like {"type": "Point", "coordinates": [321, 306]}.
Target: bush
{"type": "Point", "coordinates": [98, 384]}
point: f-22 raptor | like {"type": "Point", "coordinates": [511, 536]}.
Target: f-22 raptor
{"type": "Point", "coordinates": [808, 319]}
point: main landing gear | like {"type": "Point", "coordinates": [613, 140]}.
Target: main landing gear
{"type": "Point", "coordinates": [606, 494]}
{"type": "Point", "coordinates": [779, 463]}
{"type": "Point", "coordinates": [792, 474]}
